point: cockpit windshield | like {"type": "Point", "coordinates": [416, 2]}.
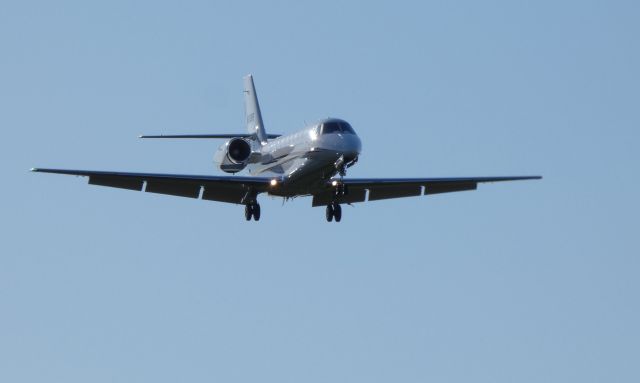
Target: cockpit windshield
{"type": "Point", "coordinates": [336, 127]}
{"type": "Point", "coordinates": [331, 127]}
{"type": "Point", "coordinates": [346, 128]}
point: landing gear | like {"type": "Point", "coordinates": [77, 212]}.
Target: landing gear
{"type": "Point", "coordinates": [256, 212]}
{"type": "Point", "coordinates": [252, 210]}
{"type": "Point", "coordinates": [334, 211]}
{"type": "Point", "coordinates": [341, 190]}
{"type": "Point", "coordinates": [337, 212]}
{"type": "Point", "coordinates": [342, 164]}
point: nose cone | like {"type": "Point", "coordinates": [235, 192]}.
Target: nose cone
{"type": "Point", "coordinates": [337, 135]}
{"type": "Point", "coordinates": [352, 145]}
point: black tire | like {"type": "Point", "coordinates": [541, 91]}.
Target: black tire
{"type": "Point", "coordinates": [337, 212]}
{"type": "Point", "coordinates": [248, 212]}
{"type": "Point", "coordinates": [329, 213]}
{"type": "Point", "coordinates": [256, 212]}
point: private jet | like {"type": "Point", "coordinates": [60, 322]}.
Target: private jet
{"type": "Point", "coordinates": [312, 162]}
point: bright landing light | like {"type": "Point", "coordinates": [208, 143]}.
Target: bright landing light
{"type": "Point", "coordinates": [274, 182]}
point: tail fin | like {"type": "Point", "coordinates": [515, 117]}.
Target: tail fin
{"type": "Point", "coordinates": [252, 111]}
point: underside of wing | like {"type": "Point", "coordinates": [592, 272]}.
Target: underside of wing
{"type": "Point", "coordinates": [205, 136]}
{"type": "Point", "coordinates": [243, 190]}
{"type": "Point", "coordinates": [231, 189]}
{"type": "Point", "coordinates": [373, 189]}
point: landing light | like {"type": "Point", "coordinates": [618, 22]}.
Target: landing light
{"type": "Point", "coordinates": [334, 183]}
{"type": "Point", "coordinates": [273, 182]}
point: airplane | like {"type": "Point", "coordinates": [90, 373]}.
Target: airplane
{"type": "Point", "coordinates": [312, 162]}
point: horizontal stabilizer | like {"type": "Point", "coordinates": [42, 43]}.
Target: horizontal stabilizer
{"type": "Point", "coordinates": [206, 136]}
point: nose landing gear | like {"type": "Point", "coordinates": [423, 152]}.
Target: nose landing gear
{"type": "Point", "coordinates": [342, 164]}
{"type": "Point", "coordinates": [334, 211]}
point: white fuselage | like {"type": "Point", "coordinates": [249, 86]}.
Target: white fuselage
{"type": "Point", "coordinates": [305, 159]}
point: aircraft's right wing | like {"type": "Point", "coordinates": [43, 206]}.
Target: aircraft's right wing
{"type": "Point", "coordinates": [373, 189]}
{"type": "Point", "coordinates": [232, 189]}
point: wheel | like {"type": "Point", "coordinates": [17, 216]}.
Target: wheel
{"type": "Point", "coordinates": [248, 211]}
{"type": "Point", "coordinates": [256, 212]}
{"type": "Point", "coordinates": [337, 212]}
{"type": "Point", "coordinates": [329, 213]}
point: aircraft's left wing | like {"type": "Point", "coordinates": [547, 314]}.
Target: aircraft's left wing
{"type": "Point", "coordinates": [205, 136]}
{"type": "Point", "coordinates": [232, 189]}
{"type": "Point", "coordinates": [373, 189]}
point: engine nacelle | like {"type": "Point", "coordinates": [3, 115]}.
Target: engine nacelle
{"type": "Point", "coordinates": [238, 151]}
{"type": "Point", "coordinates": [234, 155]}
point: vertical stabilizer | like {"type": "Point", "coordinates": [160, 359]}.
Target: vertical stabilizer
{"type": "Point", "coordinates": [252, 114]}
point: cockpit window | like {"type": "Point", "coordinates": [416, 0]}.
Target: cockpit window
{"type": "Point", "coordinates": [346, 128]}
{"type": "Point", "coordinates": [330, 127]}
{"type": "Point", "coordinates": [337, 127]}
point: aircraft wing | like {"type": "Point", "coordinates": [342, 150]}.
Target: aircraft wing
{"type": "Point", "coordinates": [373, 189]}
{"type": "Point", "coordinates": [236, 189]}
{"type": "Point", "coordinates": [205, 136]}
{"type": "Point", "coordinates": [232, 189]}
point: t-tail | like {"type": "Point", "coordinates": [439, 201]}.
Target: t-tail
{"type": "Point", "coordinates": [253, 117]}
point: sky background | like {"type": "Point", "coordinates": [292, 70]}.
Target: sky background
{"type": "Point", "coordinates": [527, 281]}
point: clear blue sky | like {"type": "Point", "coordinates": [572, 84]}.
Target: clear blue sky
{"type": "Point", "coordinates": [527, 281]}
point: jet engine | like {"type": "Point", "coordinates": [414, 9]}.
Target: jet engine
{"type": "Point", "coordinates": [238, 151]}
{"type": "Point", "coordinates": [233, 156]}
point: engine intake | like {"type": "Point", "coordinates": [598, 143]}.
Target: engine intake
{"type": "Point", "coordinates": [238, 151]}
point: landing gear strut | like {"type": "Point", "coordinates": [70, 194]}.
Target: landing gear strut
{"type": "Point", "coordinates": [342, 164]}
{"type": "Point", "coordinates": [252, 210]}
{"type": "Point", "coordinates": [341, 190]}
{"type": "Point", "coordinates": [334, 211]}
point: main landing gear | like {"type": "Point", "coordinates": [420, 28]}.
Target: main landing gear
{"type": "Point", "coordinates": [252, 210]}
{"type": "Point", "coordinates": [334, 211]}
